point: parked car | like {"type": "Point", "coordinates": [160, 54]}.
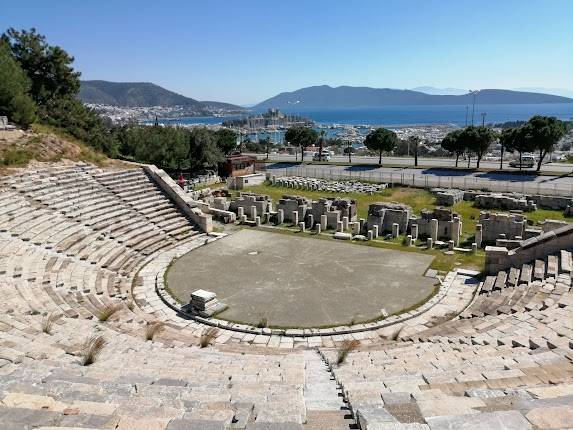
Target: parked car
{"type": "Point", "coordinates": [325, 156]}
{"type": "Point", "coordinates": [526, 161]}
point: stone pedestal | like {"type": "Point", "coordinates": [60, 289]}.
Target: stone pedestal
{"type": "Point", "coordinates": [318, 228]}
{"type": "Point", "coordinates": [258, 221]}
{"type": "Point", "coordinates": [339, 226]}
{"type": "Point", "coordinates": [355, 228]}
{"type": "Point", "coordinates": [434, 229]}
{"type": "Point", "coordinates": [451, 245]}
{"type": "Point", "coordinates": [253, 212]}
{"type": "Point", "coordinates": [414, 231]}
{"type": "Point", "coordinates": [244, 219]}
{"type": "Point", "coordinates": [474, 247]}
{"type": "Point", "coordinates": [310, 220]}
{"type": "Point", "coordinates": [409, 240]}
{"type": "Point", "coordinates": [479, 233]}
{"type": "Point", "coordinates": [323, 221]}
{"type": "Point", "coordinates": [429, 243]}
{"type": "Point", "coordinates": [240, 212]}
{"type": "Point", "coordinates": [345, 223]}
{"type": "Point", "coordinates": [374, 231]}
{"type": "Point", "coordinates": [369, 235]}
{"type": "Point", "coordinates": [362, 221]}
{"type": "Point", "coordinates": [456, 229]}
{"type": "Point", "coordinates": [395, 229]}
{"type": "Point", "coordinates": [295, 217]}
{"type": "Point", "coordinates": [280, 216]}
{"type": "Point", "coordinates": [301, 226]}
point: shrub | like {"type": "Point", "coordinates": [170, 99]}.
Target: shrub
{"type": "Point", "coordinates": [48, 322]}
{"type": "Point", "coordinates": [345, 348]}
{"type": "Point", "coordinates": [207, 336]}
{"type": "Point", "coordinates": [107, 311]}
{"type": "Point", "coordinates": [262, 323]}
{"type": "Point", "coordinates": [152, 328]}
{"type": "Point", "coordinates": [91, 349]}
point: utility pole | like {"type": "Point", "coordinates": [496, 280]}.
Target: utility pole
{"type": "Point", "coordinates": [474, 93]}
{"type": "Point", "coordinates": [483, 114]}
{"type": "Point", "coordinates": [467, 110]}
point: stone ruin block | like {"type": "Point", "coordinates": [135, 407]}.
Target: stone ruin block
{"type": "Point", "coordinates": [551, 224]}
{"type": "Point", "coordinates": [324, 206]}
{"type": "Point", "coordinates": [448, 197]}
{"type": "Point", "coordinates": [261, 203]}
{"type": "Point", "coordinates": [507, 202]}
{"type": "Point", "coordinates": [494, 225]}
{"type": "Point", "coordinates": [384, 215]}
{"type": "Point", "coordinates": [290, 204]}
{"type": "Point", "coordinates": [445, 226]}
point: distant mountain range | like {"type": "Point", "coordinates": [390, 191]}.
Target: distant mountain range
{"type": "Point", "coordinates": [143, 94]}
{"type": "Point", "coordinates": [441, 91]}
{"type": "Point", "coordinates": [325, 96]}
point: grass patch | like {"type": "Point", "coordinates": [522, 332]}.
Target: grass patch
{"type": "Point", "coordinates": [346, 348]}
{"type": "Point", "coordinates": [15, 157]}
{"type": "Point", "coordinates": [153, 328]}
{"type": "Point", "coordinates": [207, 337]}
{"type": "Point", "coordinates": [107, 311]}
{"type": "Point", "coordinates": [91, 349]}
{"type": "Point", "coordinates": [48, 323]}
{"type": "Point", "coordinates": [214, 186]}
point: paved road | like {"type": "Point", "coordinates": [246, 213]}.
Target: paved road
{"type": "Point", "coordinates": [427, 162]}
{"type": "Point", "coordinates": [432, 177]}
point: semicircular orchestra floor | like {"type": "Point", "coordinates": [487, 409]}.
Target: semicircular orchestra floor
{"type": "Point", "coordinates": [291, 281]}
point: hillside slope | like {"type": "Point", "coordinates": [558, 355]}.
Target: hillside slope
{"type": "Point", "coordinates": [144, 94]}
{"type": "Point", "coordinates": [325, 96]}
{"type": "Point", "coordinates": [44, 144]}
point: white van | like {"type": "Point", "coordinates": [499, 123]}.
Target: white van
{"type": "Point", "coordinates": [324, 157]}
{"type": "Point", "coordinates": [527, 161]}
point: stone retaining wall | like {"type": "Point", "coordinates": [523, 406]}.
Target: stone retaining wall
{"type": "Point", "coordinates": [500, 258]}
{"type": "Point", "coordinates": [190, 207]}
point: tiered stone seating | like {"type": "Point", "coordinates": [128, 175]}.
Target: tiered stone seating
{"type": "Point", "coordinates": [439, 386]}
{"type": "Point", "coordinates": [76, 239]}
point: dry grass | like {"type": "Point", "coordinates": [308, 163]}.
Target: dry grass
{"type": "Point", "coordinates": [263, 322]}
{"type": "Point", "coordinates": [107, 311]}
{"type": "Point", "coordinates": [153, 328]}
{"type": "Point", "coordinates": [207, 336]}
{"type": "Point", "coordinates": [130, 305]}
{"type": "Point", "coordinates": [346, 348]}
{"type": "Point", "coordinates": [48, 323]}
{"type": "Point", "coordinates": [91, 349]}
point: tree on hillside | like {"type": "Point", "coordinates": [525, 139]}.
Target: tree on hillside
{"type": "Point", "coordinates": [477, 140]}
{"type": "Point", "coordinates": [543, 133]}
{"type": "Point", "coordinates": [321, 138]}
{"type": "Point", "coordinates": [453, 143]}
{"type": "Point", "coordinates": [302, 137]}
{"type": "Point", "coordinates": [414, 141]}
{"type": "Point", "coordinates": [48, 67]}
{"type": "Point", "coordinates": [349, 149]}
{"type": "Point", "coordinates": [15, 101]}
{"type": "Point", "coordinates": [519, 142]}
{"type": "Point", "coordinates": [506, 142]}
{"type": "Point", "coordinates": [54, 86]}
{"type": "Point", "coordinates": [381, 140]}
{"type": "Point", "coordinates": [203, 151]}
{"type": "Point", "coordinates": [226, 140]}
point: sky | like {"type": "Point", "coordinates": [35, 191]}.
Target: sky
{"type": "Point", "coordinates": [246, 51]}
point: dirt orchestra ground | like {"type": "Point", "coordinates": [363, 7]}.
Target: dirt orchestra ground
{"type": "Point", "coordinates": [301, 282]}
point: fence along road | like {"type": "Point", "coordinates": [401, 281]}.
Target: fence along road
{"type": "Point", "coordinates": [525, 184]}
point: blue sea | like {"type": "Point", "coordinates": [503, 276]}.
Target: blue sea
{"type": "Point", "coordinates": [415, 115]}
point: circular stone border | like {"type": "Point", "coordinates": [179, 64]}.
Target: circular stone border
{"type": "Point", "coordinates": [153, 276]}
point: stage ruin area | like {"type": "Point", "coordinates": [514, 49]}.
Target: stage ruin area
{"type": "Point", "coordinates": [290, 281]}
